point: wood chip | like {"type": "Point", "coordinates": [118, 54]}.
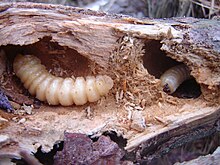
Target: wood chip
{"type": "Point", "coordinates": [138, 121]}
{"type": "Point", "coordinates": [161, 120]}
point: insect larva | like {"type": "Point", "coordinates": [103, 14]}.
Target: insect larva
{"type": "Point", "coordinates": [173, 77]}
{"type": "Point", "coordinates": [56, 90]}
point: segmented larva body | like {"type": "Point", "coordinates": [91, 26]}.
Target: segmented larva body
{"type": "Point", "coordinates": [56, 90]}
{"type": "Point", "coordinates": [173, 77]}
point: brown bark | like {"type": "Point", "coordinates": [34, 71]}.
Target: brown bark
{"type": "Point", "coordinates": [134, 52]}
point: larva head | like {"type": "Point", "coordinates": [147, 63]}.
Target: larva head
{"type": "Point", "coordinates": [104, 84]}
{"type": "Point", "coordinates": [166, 88]}
{"type": "Point", "coordinates": [168, 84]}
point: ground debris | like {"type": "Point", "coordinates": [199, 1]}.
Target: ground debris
{"type": "Point", "coordinates": [80, 149]}
{"type": "Point", "coordinates": [18, 98]}
{"type": "Point", "coordinates": [134, 84]}
{"type": "Point", "coordinates": [24, 109]}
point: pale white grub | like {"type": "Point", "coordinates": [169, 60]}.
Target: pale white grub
{"type": "Point", "coordinates": [173, 77]}
{"type": "Point", "coordinates": [56, 90]}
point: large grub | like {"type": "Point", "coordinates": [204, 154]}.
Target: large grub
{"type": "Point", "coordinates": [135, 53]}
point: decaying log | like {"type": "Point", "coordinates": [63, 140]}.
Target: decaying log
{"type": "Point", "coordinates": [133, 52]}
{"type": "Point", "coordinates": [209, 159]}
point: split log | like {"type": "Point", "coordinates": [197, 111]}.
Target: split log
{"type": "Point", "coordinates": [209, 159]}
{"type": "Point", "coordinates": [134, 53]}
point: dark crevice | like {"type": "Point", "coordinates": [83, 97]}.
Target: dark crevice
{"type": "Point", "coordinates": [189, 149]}
{"type": "Point", "coordinates": [156, 62]}
{"type": "Point", "coordinates": [122, 142]}
{"type": "Point", "coordinates": [46, 158]}
{"type": "Point", "coordinates": [188, 89]}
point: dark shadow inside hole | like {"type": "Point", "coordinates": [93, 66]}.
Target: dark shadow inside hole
{"type": "Point", "coordinates": [46, 158]}
{"type": "Point", "coordinates": [53, 56]}
{"type": "Point", "coordinates": [156, 62]}
{"type": "Point", "coordinates": [114, 137]}
{"type": "Point", "coordinates": [188, 89]}
{"type": "Point", "coordinates": [117, 139]}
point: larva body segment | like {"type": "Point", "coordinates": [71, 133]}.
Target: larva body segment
{"type": "Point", "coordinates": [56, 90]}
{"type": "Point", "coordinates": [91, 89]}
{"type": "Point", "coordinates": [65, 95]}
{"type": "Point", "coordinates": [79, 91]}
{"type": "Point", "coordinates": [173, 77]}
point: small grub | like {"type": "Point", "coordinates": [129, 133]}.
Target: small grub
{"type": "Point", "coordinates": [56, 90]}
{"type": "Point", "coordinates": [173, 77]}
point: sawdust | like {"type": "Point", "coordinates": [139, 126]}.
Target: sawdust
{"type": "Point", "coordinates": [136, 104]}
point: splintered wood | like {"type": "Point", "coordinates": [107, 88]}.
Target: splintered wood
{"type": "Point", "coordinates": [134, 53]}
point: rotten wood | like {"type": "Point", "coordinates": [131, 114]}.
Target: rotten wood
{"type": "Point", "coordinates": [134, 52]}
{"type": "Point", "coordinates": [209, 159]}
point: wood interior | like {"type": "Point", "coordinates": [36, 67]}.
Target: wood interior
{"type": "Point", "coordinates": [55, 57]}
{"type": "Point", "coordinates": [157, 62]}
{"type": "Point", "coordinates": [84, 42]}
